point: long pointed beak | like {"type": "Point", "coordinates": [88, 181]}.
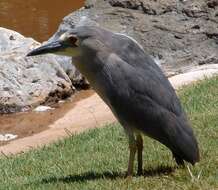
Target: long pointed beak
{"type": "Point", "coordinates": [51, 47]}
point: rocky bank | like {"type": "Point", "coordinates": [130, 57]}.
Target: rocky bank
{"type": "Point", "coordinates": [179, 34]}
{"type": "Point", "coordinates": [26, 82]}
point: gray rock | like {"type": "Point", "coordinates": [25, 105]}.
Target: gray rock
{"type": "Point", "coordinates": [26, 82]}
{"type": "Point", "coordinates": [77, 80]}
{"type": "Point", "coordinates": [179, 34]}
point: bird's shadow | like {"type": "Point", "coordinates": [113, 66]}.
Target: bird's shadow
{"type": "Point", "coordinates": [91, 176]}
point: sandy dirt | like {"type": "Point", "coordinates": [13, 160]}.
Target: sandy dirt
{"type": "Point", "coordinates": [86, 111]}
{"type": "Point", "coordinates": [83, 111]}
{"type": "Point", "coordinates": [30, 123]}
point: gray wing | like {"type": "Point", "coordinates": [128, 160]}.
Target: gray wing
{"type": "Point", "coordinates": [142, 97]}
{"type": "Point", "coordinates": [148, 76]}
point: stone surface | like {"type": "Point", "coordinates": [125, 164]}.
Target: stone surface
{"type": "Point", "coordinates": [43, 108]}
{"type": "Point", "coordinates": [7, 137]}
{"type": "Point", "coordinates": [28, 81]}
{"type": "Point", "coordinates": [179, 34]}
{"type": "Point", "coordinates": [77, 80]}
{"type": "Point", "coordinates": [195, 74]}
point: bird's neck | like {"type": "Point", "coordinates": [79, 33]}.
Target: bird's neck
{"type": "Point", "coordinates": [93, 74]}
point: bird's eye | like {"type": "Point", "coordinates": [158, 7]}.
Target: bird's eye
{"type": "Point", "coordinates": [73, 40]}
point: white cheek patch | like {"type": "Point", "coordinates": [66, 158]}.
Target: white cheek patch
{"type": "Point", "coordinates": [63, 37]}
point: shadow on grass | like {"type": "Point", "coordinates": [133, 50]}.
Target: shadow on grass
{"type": "Point", "coordinates": [87, 176]}
{"type": "Point", "coordinates": [160, 170]}
{"type": "Point", "coordinates": [91, 176]}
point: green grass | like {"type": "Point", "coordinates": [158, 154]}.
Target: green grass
{"type": "Point", "coordinates": [97, 159]}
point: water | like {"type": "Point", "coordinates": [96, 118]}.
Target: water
{"type": "Point", "coordinates": [38, 19]}
{"type": "Point", "coordinates": [35, 18]}
{"type": "Point", "coordinates": [20, 125]}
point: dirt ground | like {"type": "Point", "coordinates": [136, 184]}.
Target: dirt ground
{"type": "Point", "coordinates": [83, 111]}
{"type": "Point", "coordinates": [30, 123]}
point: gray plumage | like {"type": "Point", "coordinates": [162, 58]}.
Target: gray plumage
{"type": "Point", "coordinates": [135, 88]}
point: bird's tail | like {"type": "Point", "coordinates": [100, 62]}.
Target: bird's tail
{"type": "Point", "coordinates": [183, 142]}
{"type": "Point", "coordinates": [178, 136]}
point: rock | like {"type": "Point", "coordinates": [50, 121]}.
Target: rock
{"type": "Point", "coordinates": [26, 82]}
{"type": "Point", "coordinates": [129, 4]}
{"type": "Point", "coordinates": [181, 34]}
{"type": "Point", "coordinates": [77, 80]}
{"type": "Point", "coordinates": [43, 108]}
{"type": "Point", "coordinates": [7, 137]}
{"type": "Point", "coordinates": [195, 74]}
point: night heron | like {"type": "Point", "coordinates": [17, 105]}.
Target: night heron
{"type": "Point", "coordinates": [133, 86]}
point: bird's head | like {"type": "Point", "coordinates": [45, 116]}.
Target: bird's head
{"type": "Point", "coordinates": [79, 41]}
{"type": "Point", "coordinates": [67, 44]}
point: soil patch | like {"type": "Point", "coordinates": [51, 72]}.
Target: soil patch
{"type": "Point", "coordinates": [30, 123]}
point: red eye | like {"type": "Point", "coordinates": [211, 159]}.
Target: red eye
{"type": "Point", "coordinates": [73, 40]}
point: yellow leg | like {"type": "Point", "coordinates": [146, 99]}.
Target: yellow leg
{"type": "Point", "coordinates": [139, 142]}
{"type": "Point", "coordinates": [132, 148]}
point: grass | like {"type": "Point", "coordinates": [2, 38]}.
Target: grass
{"type": "Point", "coordinates": [97, 159]}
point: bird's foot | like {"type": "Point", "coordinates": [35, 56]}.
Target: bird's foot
{"type": "Point", "coordinates": [129, 174]}
{"type": "Point", "coordinates": [139, 172]}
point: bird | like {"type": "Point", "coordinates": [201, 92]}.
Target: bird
{"type": "Point", "coordinates": [133, 86]}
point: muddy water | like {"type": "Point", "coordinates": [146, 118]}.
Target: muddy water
{"type": "Point", "coordinates": [35, 18]}
{"type": "Point", "coordinates": [38, 19]}
{"type": "Point", "coordinates": [30, 123]}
